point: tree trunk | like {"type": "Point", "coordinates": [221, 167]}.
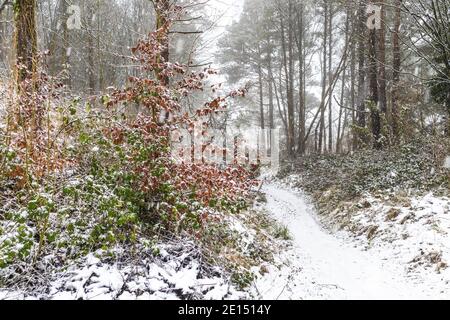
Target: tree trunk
{"type": "Point", "coordinates": [25, 39]}
{"type": "Point", "coordinates": [270, 80]}
{"type": "Point", "coordinates": [382, 60]}
{"type": "Point", "coordinates": [302, 109]}
{"type": "Point", "coordinates": [353, 81]}
{"type": "Point", "coordinates": [162, 10]}
{"type": "Point", "coordinates": [361, 117]}
{"type": "Point", "coordinates": [396, 65]}
{"type": "Point", "coordinates": [261, 97]}
{"type": "Point", "coordinates": [373, 86]}
{"type": "Point", "coordinates": [291, 103]}
{"type": "Point", "coordinates": [322, 137]}
{"type": "Point", "coordinates": [66, 43]}
{"type": "Point", "coordinates": [341, 128]}
{"type": "Point", "coordinates": [288, 63]}
{"type": "Point", "coordinates": [91, 62]}
{"type": "Point", "coordinates": [330, 78]}
{"type": "Point", "coordinates": [101, 78]}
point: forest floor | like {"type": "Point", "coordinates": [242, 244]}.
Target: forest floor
{"type": "Point", "coordinates": [368, 225]}
{"type": "Point", "coordinates": [177, 272]}
{"type": "Point", "coordinates": [373, 225]}
{"type": "Point", "coordinates": [322, 265]}
{"type": "Point", "coordinates": [309, 261]}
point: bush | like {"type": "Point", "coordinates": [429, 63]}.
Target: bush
{"type": "Point", "coordinates": [416, 166]}
{"type": "Point", "coordinates": [83, 179]}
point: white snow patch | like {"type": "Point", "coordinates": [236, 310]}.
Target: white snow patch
{"type": "Point", "coordinates": [414, 236]}
{"type": "Point", "coordinates": [180, 277]}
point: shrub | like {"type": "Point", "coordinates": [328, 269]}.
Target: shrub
{"type": "Point", "coordinates": [90, 179]}
{"type": "Point", "coordinates": [416, 165]}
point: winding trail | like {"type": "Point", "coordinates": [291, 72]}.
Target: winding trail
{"type": "Point", "coordinates": [330, 268]}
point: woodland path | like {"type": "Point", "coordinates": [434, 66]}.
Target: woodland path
{"type": "Point", "coordinates": [328, 262]}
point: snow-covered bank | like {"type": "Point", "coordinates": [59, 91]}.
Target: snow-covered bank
{"type": "Point", "coordinates": [412, 231]}
{"type": "Point", "coordinates": [322, 266]}
{"type": "Point", "coordinates": [178, 268]}
{"type": "Point", "coordinates": [176, 272]}
{"type": "Point", "coordinates": [312, 264]}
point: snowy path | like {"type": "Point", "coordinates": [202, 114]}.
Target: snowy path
{"type": "Point", "coordinates": [333, 269]}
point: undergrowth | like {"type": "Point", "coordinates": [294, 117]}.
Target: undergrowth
{"type": "Point", "coordinates": [413, 167]}
{"type": "Point", "coordinates": [79, 176]}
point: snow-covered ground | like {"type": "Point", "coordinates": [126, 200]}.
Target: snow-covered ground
{"type": "Point", "coordinates": [410, 231]}
{"type": "Point", "coordinates": [325, 266]}
{"type": "Point", "coordinates": [177, 272]}
{"type": "Point", "coordinates": [314, 264]}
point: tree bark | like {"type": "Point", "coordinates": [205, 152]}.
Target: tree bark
{"type": "Point", "coordinates": [373, 86]}
{"type": "Point", "coordinates": [288, 63]}
{"type": "Point", "coordinates": [353, 80]}
{"type": "Point", "coordinates": [25, 39]}
{"type": "Point", "coordinates": [270, 80]}
{"type": "Point", "coordinates": [162, 9]}
{"type": "Point", "coordinates": [330, 78]}
{"type": "Point", "coordinates": [261, 97]}
{"type": "Point", "coordinates": [302, 105]}
{"type": "Point", "coordinates": [291, 103]}
{"type": "Point", "coordinates": [361, 117]}
{"type": "Point", "coordinates": [382, 60]}
{"type": "Point", "coordinates": [341, 128]}
{"type": "Point", "coordinates": [322, 138]}
{"type": "Point", "coordinates": [396, 65]}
